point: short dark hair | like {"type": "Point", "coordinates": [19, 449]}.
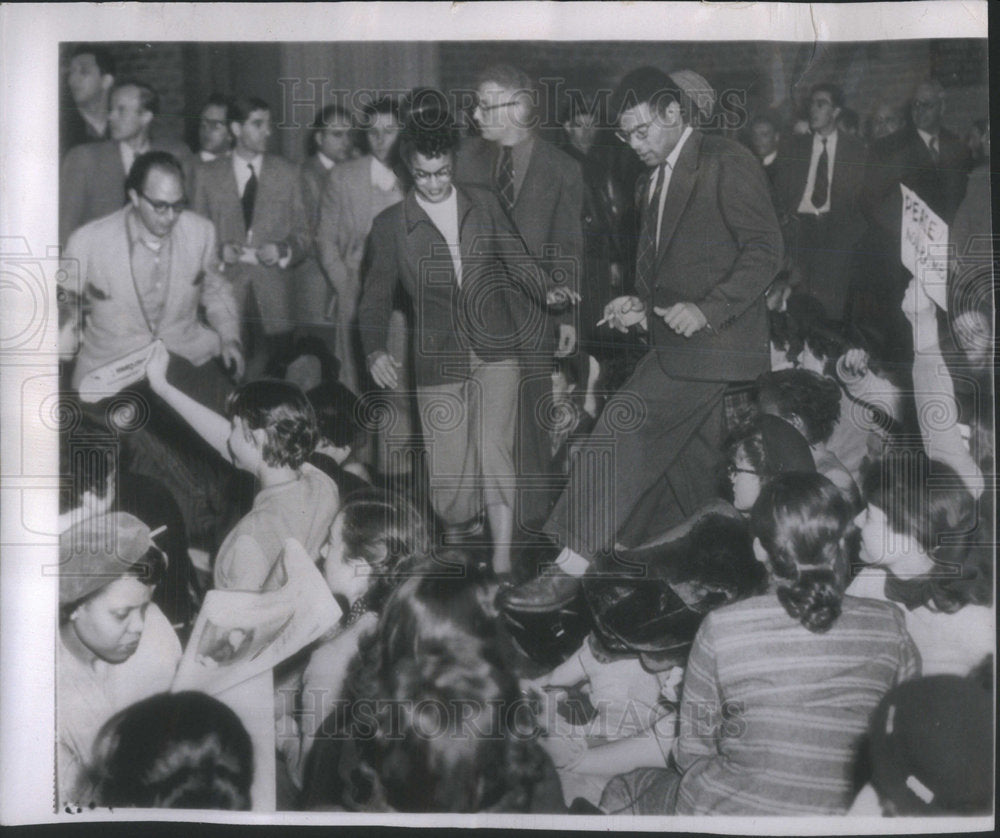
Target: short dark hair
{"type": "Point", "coordinates": [149, 99]}
{"type": "Point", "coordinates": [505, 75]}
{"type": "Point", "coordinates": [102, 57]}
{"type": "Point", "coordinates": [836, 94]}
{"type": "Point", "coordinates": [220, 100]}
{"type": "Point", "coordinates": [647, 84]}
{"type": "Point", "coordinates": [381, 105]}
{"type": "Point", "coordinates": [282, 410]}
{"type": "Point", "coordinates": [243, 106]}
{"type": "Point", "coordinates": [144, 163]}
{"type": "Point", "coordinates": [849, 119]}
{"type": "Point", "coordinates": [813, 398]}
{"type": "Point", "coordinates": [184, 750]}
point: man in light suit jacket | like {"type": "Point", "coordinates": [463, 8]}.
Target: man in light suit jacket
{"type": "Point", "coordinates": [92, 177]}
{"type": "Point", "coordinates": [709, 247]}
{"type": "Point", "coordinates": [134, 295]}
{"type": "Point", "coordinates": [825, 204]}
{"type": "Point", "coordinates": [255, 201]}
{"type": "Point", "coordinates": [541, 188]}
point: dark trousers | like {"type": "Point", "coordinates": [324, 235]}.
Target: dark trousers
{"type": "Point", "coordinates": [650, 461]}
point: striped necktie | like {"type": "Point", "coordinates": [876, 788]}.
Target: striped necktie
{"type": "Point", "coordinates": [505, 178]}
{"type": "Point", "coordinates": [646, 254]}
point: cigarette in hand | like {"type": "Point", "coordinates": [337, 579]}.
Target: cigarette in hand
{"type": "Point", "coordinates": [602, 321]}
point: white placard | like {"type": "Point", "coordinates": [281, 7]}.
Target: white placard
{"type": "Point", "coordinates": [923, 246]}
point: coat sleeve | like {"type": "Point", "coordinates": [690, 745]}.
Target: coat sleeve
{"type": "Point", "coordinates": [299, 239]}
{"type": "Point", "coordinates": [202, 204]}
{"type": "Point", "coordinates": [375, 307]}
{"type": "Point", "coordinates": [217, 294]}
{"type": "Point", "coordinates": [72, 191]}
{"type": "Point", "coordinates": [332, 210]}
{"type": "Point", "coordinates": [748, 213]}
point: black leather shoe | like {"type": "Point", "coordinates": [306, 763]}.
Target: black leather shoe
{"type": "Point", "coordinates": [551, 589]}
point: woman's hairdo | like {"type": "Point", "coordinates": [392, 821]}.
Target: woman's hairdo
{"type": "Point", "coordinates": [282, 410]}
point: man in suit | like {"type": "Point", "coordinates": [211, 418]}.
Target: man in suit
{"type": "Point", "coordinates": [214, 139]}
{"type": "Point", "coordinates": [818, 184]}
{"type": "Point", "coordinates": [255, 201]}
{"type": "Point", "coordinates": [355, 192]}
{"type": "Point", "coordinates": [92, 176]}
{"type": "Point", "coordinates": [332, 145]}
{"type": "Point", "coordinates": [90, 78]}
{"type": "Point", "coordinates": [146, 269]}
{"type": "Point", "coordinates": [709, 246]}
{"type": "Point", "coordinates": [541, 189]}
{"type": "Point", "coordinates": [935, 164]}
{"type": "Point", "coordinates": [765, 142]}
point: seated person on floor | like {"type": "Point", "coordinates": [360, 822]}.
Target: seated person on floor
{"type": "Point", "coordinates": [270, 432]}
{"type": "Point", "coordinates": [811, 403]}
{"type": "Point", "coordinates": [610, 707]}
{"type": "Point", "coordinates": [182, 750]}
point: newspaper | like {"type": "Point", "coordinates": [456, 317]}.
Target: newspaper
{"type": "Point", "coordinates": [114, 377]}
{"type": "Point", "coordinates": [240, 634]}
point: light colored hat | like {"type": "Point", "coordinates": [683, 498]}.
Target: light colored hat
{"type": "Point", "coordinates": [697, 89]}
{"type": "Point", "coordinates": [96, 551]}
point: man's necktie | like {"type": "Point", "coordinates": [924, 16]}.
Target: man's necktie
{"type": "Point", "coordinates": [646, 253]}
{"type": "Point", "coordinates": [935, 151]}
{"type": "Point", "coordinates": [505, 178]}
{"type": "Point", "coordinates": [249, 196]}
{"type": "Point", "coordinates": [821, 187]}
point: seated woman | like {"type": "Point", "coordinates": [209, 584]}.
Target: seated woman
{"type": "Point", "coordinates": [271, 431]}
{"type": "Point", "coordinates": [779, 688]}
{"type": "Point", "coordinates": [759, 451]}
{"type": "Point", "coordinates": [115, 646]}
{"type": "Point", "coordinates": [373, 544]}
{"type": "Point", "coordinates": [624, 681]}
{"type": "Point", "coordinates": [929, 542]}
{"type": "Point", "coordinates": [433, 720]}
{"type": "Point", "coordinates": [810, 402]}
{"type": "Point", "coordinates": [182, 750]}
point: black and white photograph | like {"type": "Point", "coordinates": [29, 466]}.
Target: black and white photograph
{"type": "Point", "coordinates": [497, 414]}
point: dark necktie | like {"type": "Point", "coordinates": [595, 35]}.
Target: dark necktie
{"type": "Point", "coordinates": [249, 196]}
{"type": "Point", "coordinates": [505, 178]}
{"type": "Point", "coordinates": [646, 254]}
{"type": "Point", "coordinates": [935, 151]}
{"type": "Point", "coordinates": [822, 184]}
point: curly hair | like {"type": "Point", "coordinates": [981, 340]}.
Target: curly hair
{"type": "Point", "coordinates": [429, 127]}
{"type": "Point", "coordinates": [389, 534]}
{"type": "Point", "coordinates": [182, 750]}
{"type": "Point", "coordinates": [284, 413]}
{"type": "Point", "coordinates": [811, 397]}
{"type": "Point", "coordinates": [943, 518]}
{"type": "Point", "coordinates": [807, 529]}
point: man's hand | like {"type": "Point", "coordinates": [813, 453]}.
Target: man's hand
{"type": "Point", "coordinates": [624, 312]}
{"type": "Point", "coordinates": [567, 340]}
{"type": "Point", "coordinates": [156, 367]}
{"type": "Point", "coordinates": [232, 359]}
{"type": "Point", "coordinates": [684, 318]}
{"type": "Point", "coordinates": [917, 306]}
{"type": "Point", "coordinates": [230, 253]}
{"type": "Point", "coordinates": [268, 254]}
{"type": "Point", "coordinates": [855, 361]}
{"type": "Point", "coordinates": [383, 368]}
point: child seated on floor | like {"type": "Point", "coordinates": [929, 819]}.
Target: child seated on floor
{"type": "Point", "coordinates": [609, 708]}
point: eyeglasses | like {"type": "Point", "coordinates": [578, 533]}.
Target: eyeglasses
{"type": "Point", "coordinates": [212, 124]}
{"type": "Point", "coordinates": [444, 173]}
{"type": "Point", "coordinates": [639, 132]}
{"type": "Point", "coordinates": [732, 471]}
{"type": "Point", "coordinates": [163, 207]}
{"type": "Point", "coordinates": [487, 108]}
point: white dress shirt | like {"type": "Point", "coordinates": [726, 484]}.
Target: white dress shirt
{"type": "Point", "coordinates": [129, 154]}
{"type": "Point", "coordinates": [806, 205]}
{"type": "Point", "coordinates": [667, 173]}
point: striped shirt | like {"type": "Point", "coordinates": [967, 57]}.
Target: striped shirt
{"type": "Point", "coordinates": [772, 714]}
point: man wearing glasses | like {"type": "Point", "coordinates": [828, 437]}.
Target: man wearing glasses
{"type": "Point", "coordinates": [214, 139]}
{"type": "Point", "coordinates": [541, 190]}
{"type": "Point", "coordinates": [709, 246]}
{"type": "Point", "coordinates": [145, 270]}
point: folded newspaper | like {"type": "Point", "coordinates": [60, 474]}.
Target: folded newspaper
{"type": "Point", "coordinates": [114, 377]}
{"type": "Point", "coordinates": [240, 634]}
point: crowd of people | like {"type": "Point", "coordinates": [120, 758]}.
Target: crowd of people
{"type": "Point", "coordinates": [643, 475]}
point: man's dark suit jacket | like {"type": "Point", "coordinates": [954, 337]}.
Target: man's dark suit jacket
{"type": "Point", "coordinates": [720, 248]}
{"type": "Point", "coordinates": [548, 208]}
{"type": "Point", "coordinates": [903, 157]}
{"type": "Point", "coordinates": [494, 312]}
{"type": "Point", "coordinates": [75, 130]}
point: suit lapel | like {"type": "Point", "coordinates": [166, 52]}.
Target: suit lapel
{"type": "Point", "coordinates": [232, 192]}
{"type": "Point", "coordinates": [682, 182]}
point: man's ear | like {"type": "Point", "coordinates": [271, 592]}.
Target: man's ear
{"type": "Point", "coordinates": [107, 82]}
{"type": "Point", "coordinates": [133, 197]}
{"type": "Point", "coordinates": [147, 117]}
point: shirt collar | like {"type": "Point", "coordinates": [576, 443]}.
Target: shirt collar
{"type": "Point", "coordinates": [671, 160]}
{"type": "Point", "coordinates": [257, 163]}
{"type": "Point", "coordinates": [325, 161]}
{"type": "Point", "coordinates": [206, 156]}
{"type": "Point", "coordinates": [382, 176]}
{"type": "Point", "coordinates": [767, 161]}
{"type": "Point", "coordinates": [138, 232]}
{"type": "Point", "coordinates": [926, 137]}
